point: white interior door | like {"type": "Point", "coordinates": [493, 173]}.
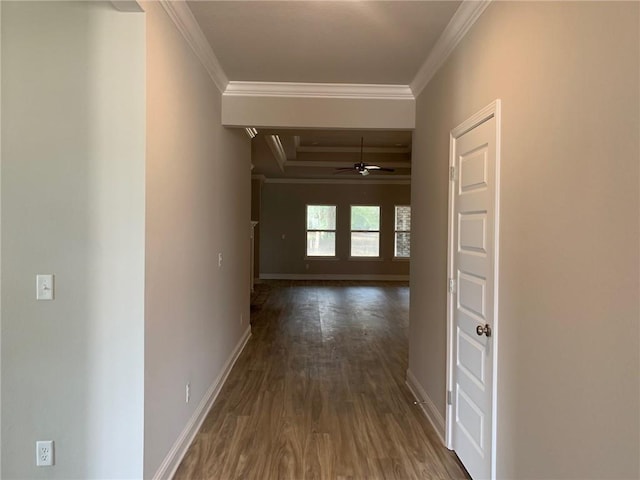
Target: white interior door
{"type": "Point", "coordinates": [472, 319]}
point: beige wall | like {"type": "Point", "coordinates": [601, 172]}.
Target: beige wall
{"type": "Point", "coordinates": [72, 205]}
{"type": "Point", "coordinates": [567, 74]}
{"type": "Point", "coordinates": [283, 210]}
{"type": "Point", "coordinates": [198, 205]}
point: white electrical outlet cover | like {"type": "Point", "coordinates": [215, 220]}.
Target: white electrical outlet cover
{"type": "Point", "coordinates": [44, 453]}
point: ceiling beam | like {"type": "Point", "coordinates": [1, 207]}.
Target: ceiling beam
{"type": "Point", "coordinates": [355, 179]}
{"type": "Point", "coordinates": [274, 144]}
{"type": "Point", "coordinates": [338, 164]}
{"type": "Point", "coordinates": [345, 149]}
{"type": "Point", "coordinates": [318, 113]}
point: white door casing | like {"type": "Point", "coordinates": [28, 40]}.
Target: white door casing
{"type": "Point", "coordinates": [473, 295]}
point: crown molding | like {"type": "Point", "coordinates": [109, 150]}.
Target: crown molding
{"type": "Point", "coordinates": [461, 22]}
{"type": "Point", "coordinates": [129, 6]}
{"type": "Point", "coordinates": [181, 15]}
{"type": "Point", "coordinates": [319, 90]}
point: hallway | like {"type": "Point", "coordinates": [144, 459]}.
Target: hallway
{"type": "Point", "coordinates": [319, 392]}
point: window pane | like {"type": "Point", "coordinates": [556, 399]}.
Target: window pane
{"type": "Point", "coordinates": [321, 244]}
{"type": "Point", "coordinates": [365, 218]}
{"type": "Point", "coordinates": [403, 218]}
{"type": "Point", "coordinates": [402, 245]}
{"type": "Point", "coordinates": [365, 244]}
{"type": "Point", "coordinates": [321, 217]}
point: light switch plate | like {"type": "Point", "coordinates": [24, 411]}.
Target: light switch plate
{"type": "Point", "coordinates": [44, 287]}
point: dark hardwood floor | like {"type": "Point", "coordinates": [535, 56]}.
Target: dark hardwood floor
{"type": "Point", "coordinates": [319, 392]}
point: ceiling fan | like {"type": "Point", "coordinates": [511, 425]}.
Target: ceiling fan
{"type": "Point", "coordinates": [361, 167]}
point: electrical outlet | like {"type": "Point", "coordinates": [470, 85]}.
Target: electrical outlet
{"type": "Point", "coordinates": [187, 393]}
{"type": "Point", "coordinates": [44, 453]}
{"type": "Point", "coordinates": [219, 259]}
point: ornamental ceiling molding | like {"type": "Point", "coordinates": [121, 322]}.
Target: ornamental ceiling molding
{"type": "Point", "coordinates": [461, 22]}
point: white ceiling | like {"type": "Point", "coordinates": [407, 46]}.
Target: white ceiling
{"type": "Point", "coordinates": [365, 42]}
{"type": "Point", "coordinates": [310, 41]}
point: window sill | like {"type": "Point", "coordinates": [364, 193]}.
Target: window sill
{"type": "Point", "coordinates": [367, 259]}
{"type": "Point", "coordinates": [401, 259]}
{"type": "Point", "coordinates": [325, 259]}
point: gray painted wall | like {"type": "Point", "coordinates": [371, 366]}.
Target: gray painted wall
{"type": "Point", "coordinates": [198, 205]}
{"type": "Point", "coordinates": [283, 210]}
{"type": "Point", "coordinates": [568, 76]}
{"type": "Point", "coordinates": [73, 150]}
{"type": "Point", "coordinates": [124, 211]}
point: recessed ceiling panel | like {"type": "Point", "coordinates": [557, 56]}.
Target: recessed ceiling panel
{"type": "Point", "coordinates": [319, 153]}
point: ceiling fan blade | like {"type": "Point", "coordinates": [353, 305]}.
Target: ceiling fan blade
{"type": "Point", "coordinates": [382, 169]}
{"type": "Point", "coordinates": [344, 170]}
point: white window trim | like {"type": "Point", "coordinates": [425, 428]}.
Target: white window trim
{"type": "Point", "coordinates": [395, 233]}
{"type": "Point", "coordinates": [379, 232]}
{"type": "Point", "coordinates": [307, 230]}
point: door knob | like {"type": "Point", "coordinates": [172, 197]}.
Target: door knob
{"type": "Point", "coordinates": [483, 330]}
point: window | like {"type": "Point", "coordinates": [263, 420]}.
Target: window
{"type": "Point", "coordinates": [365, 231]}
{"type": "Point", "coordinates": [321, 230]}
{"type": "Point", "coordinates": [402, 232]}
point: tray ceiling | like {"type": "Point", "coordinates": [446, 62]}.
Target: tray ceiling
{"type": "Point", "coordinates": [381, 42]}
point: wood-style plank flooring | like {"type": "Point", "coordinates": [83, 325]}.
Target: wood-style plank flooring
{"type": "Point", "coordinates": [319, 393]}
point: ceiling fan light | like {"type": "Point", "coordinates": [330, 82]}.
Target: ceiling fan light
{"type": "Point", "coordinates": [364, 172]}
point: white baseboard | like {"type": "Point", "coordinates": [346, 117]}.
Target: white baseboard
{"type": "Point", "coordinates": [323, 276]}
{"type": "Point", "coordinates": [172, 461]}
{"type": "Point", "coordinates": [428, 407]}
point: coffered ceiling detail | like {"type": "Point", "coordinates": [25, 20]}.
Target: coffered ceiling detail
{"type": "Point", "coordinates": [344, 50]}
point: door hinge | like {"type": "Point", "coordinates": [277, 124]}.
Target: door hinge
{"type": "Point", "coordinates": [452, 285]}
{"type": "Point", "coordinates": [449, 398]}
{"type": "Point", "coordinates": [452, 173]}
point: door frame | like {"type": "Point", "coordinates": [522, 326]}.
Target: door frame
{"type": "Point", "coordinates": [493, 110]}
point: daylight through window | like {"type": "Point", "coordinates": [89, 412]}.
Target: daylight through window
{"type": "Point", "coordinates": [365, 231]}
{"type": "Point", "coordinates": [321, 230]}
{"type": "Point", "coordinates": [402, 232]}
